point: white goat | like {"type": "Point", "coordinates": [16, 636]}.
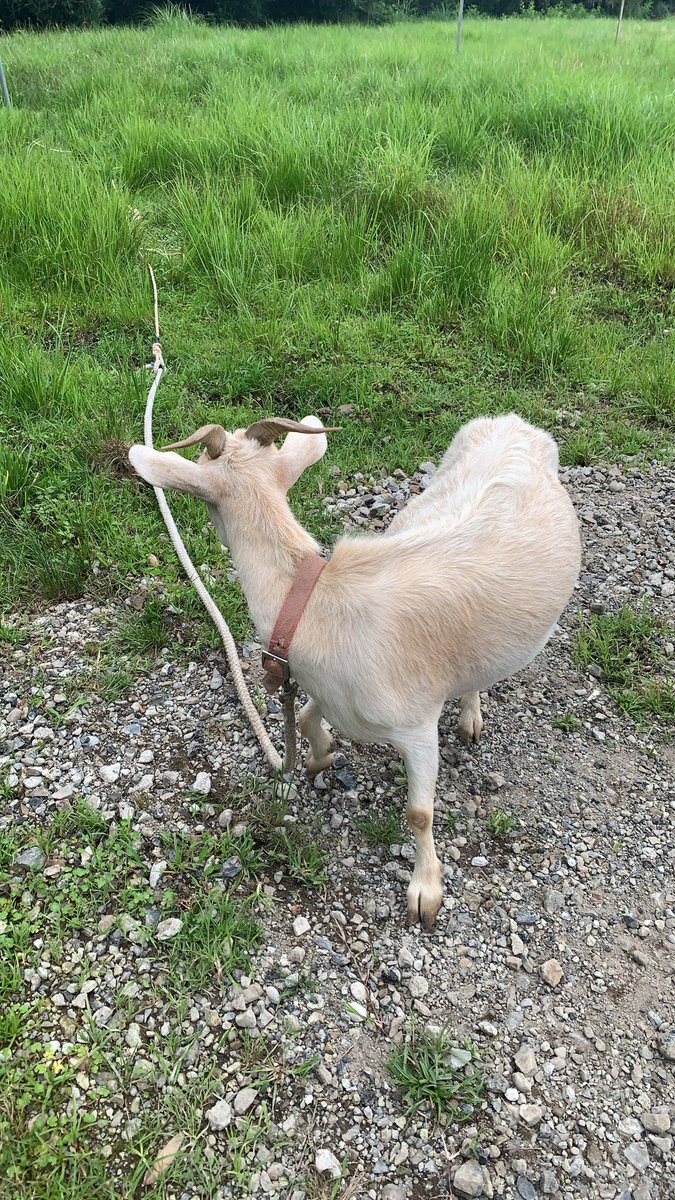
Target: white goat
{"type": "Point", "coordinates": [462, 590]}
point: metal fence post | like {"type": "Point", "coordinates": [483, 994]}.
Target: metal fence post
{"type": "Point", "coordinates": [3, 86]}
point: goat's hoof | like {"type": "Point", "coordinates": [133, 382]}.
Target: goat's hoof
{"type": "Point", "coordinates": [424, 901]}
{"type": "Point", "coordinates": [470, 730]}
{"type": "Point", "coordinates": [315, 765]}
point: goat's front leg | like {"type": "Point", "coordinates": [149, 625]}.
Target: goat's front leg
{"type": "Point", "coordinates": [320, 755]}
{"type": "Point", "coordinates": [425, 891]}
{"type": "Point", "coordinates": [470, 724]}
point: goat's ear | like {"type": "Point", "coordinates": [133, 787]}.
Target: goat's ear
{"type": "Point", "coordinates": [300, 451]}
{"type": "Point", "coordinates": [164, 469]}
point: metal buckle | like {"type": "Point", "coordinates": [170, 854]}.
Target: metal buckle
{"type": "Point", "coordinates": [286, 670]}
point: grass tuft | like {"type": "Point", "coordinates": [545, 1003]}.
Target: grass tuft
{"type": "Point", "coordinates": [421, 1066]}
{"type": "Point", "coordinates": [628, 648]}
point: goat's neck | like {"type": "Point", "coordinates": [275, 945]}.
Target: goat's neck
{"type": "Point", "coordinates": [267, 545]}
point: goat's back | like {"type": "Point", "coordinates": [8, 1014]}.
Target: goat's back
{"type": "Point", "coordinates": [469, 580]}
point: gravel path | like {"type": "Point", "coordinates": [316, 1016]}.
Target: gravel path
{"type": "Point", "coordinates": [553, 960]}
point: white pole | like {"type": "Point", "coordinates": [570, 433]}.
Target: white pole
{"type": "Point", "coordinates": [3, 85]}
{"type": "Point", "coordinates": [460, 18]}
{"type": "Point", "coordinates": [618, 28]}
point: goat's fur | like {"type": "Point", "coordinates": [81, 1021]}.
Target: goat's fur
{"type": "Point", "coordinates": [462, 590]}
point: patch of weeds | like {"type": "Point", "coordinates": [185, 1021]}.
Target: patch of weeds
{"type": "Point", "coordinates": [499, 823]}
{"type": "Point", "coordinates": [629, 649]}
{"type": "Point", "coordinates": [451, 821]}
{"type": "Point", "coordinates": [10, 840]}
{"type": "Point", "coordinates": [421, 1066]}
{"type": "Point", "coordinates": [287, 844]}
{"type": "Point", "coordinates": [208, 855]}
{"type": "Point", "coordinates": [112, 684]}
{"type": "Point", "coordinates": [568, 723]}
{"type": "Point", "coordinates": [216, 937]}
{"type": "Point", "coordinates": [147, 631]}
{"type": "Point", "coordinates": [382, 830]}
{"type": "Point", "coordinates": [12, 636]}
{"type": "Point", "coordinates": [269, 1064]}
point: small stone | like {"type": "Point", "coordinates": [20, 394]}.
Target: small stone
{"type": "Point", "coordinates": [553, 901]}
{"type": "Point", "coordinates": [656, 1122]}
{"type": "Point", "coordinates": [246, 1019]}
{"type": "Point", "coordinates": [531, 1114]}
{"type": "Point", "coordinates": [418, 986]}
{"type": "Point", "coordinates": [468, 1179]}
{"type": "Point", "coordinates": [358, 991]}
{"type": "Point", "coordinates": [525, 1060]}
{"type": "Point", "coordinates": [488, 1028]}
{"type": "Point", "coordinates": [525, 1188]}
{"type": "Point", "coordinates": [244, 1100]}
{"type": "Point", "coordinates": [225, 818]}
{"type": "Point", "coordinates": [30, 860]}
{"type": "Point", "coordinates": [495, 782]}
{"type": "Point", "coordinates": [110, 773]}
{"type": "Point", "coordinates": [231, 867]}
{"type": "Point", "coordinates": [394, 1191]}
{"type": "Point", "coordinates": [219, 1116]}
{"type": "Point", "coordinates": [630, 1127]}
{"type": "Point", "coordinates": [301, 926]}
{"type": "Point", "coordinates": [156, 872]}
{"type": "Point", "coordinates": [145, 756]}
{"type": "Point", "coordinates": [132, 1036]}
{"type": "Point", "coordinates": [169, 928]}
{"type": "Point", "coordinates": [667, 1045]}
{"type": "Point", "coordinates": [459, 1058]}
{"type": "Point", "coordinates": [549, 1183]}
{"type": "Point", "coordinates": [551, 972]}
{"type": "Point", "coordinates": [637, 1155]}
{"type": "Point", "coordinates": [327, 1164]}
{"type": "Point", "coordinates": [202, 784]}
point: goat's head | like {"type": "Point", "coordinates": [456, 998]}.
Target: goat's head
{"type": "Point", "coordinates": [235, 468]}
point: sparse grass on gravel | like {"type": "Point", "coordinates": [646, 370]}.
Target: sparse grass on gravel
{"type": "Point", "coordinates": [336, 217]}
{"type": "Point", "coordinates": [627, 648]}
{"type": "Point", "coordinates": [212, 883]}
{"type": "Point", "coordinates": [422, 1066]}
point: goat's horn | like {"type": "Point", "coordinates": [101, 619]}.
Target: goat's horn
{"type": "Point", "coordinates": [269, 430]}
{"type": "Point", "coordinates": [212, 437]}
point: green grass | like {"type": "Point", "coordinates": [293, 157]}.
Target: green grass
{"type": "Point", "coordinates": [422, 1068]}
{"type": "Point", "coordinates": [336, 216]}
{"type": "Point", "coordinates": [52, 1148]}
{"type": "Point", "coordinates": [568, 723]}
{"type": "Point", "coordinates": [629, 649]}
{"type": "Point", "coordinates": [500, 823]}
{"type": "Point", "coordinates": [384, 830]}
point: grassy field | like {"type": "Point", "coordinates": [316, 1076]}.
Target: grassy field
{"type": "Point", "coordinates": [336, 217]}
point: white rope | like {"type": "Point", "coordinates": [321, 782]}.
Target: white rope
{"type": "Point", "coordinates": [272, 756]}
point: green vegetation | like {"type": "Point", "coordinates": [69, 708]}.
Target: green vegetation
{"type": "Point", "coordinates": [629, 649]}
{"type": "Point", "coordinates": [568, 723]}
{"type": "Point", "coordinates": [93, 869]}
{"type": "Point", "coordinates": [384, 830]}
{"type": "Point", "coordinates": [422, 1067]}
{"type": "Point", "coordinates": [500, 823]}
{"type": "Point", "coordinates": [343, 216]}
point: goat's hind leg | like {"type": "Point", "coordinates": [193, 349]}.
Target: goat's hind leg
{"type": "Point", "coordinates": [321, 743]}
{"type": "Point", "coordinates": [470, 724]}
{"type": "Point", "coordinates": [425, 891]}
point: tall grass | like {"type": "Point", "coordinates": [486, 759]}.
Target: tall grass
{"type": "Point", "coordinates": [335, 216]}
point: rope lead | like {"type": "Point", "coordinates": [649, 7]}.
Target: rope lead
{"type": "Point", "coordinates": [287, 765]}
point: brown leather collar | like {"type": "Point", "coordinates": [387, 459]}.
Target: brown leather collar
{"type": "Point", "coordinates": [275, 660]}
